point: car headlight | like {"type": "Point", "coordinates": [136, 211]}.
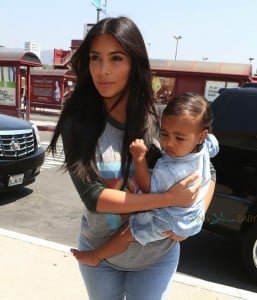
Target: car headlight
{"type": "Point", "coordinates": [36, 131]}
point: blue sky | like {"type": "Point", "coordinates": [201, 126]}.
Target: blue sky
{"type": "Point", "coordinates": [222, 30]}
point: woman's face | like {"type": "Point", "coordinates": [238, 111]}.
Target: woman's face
{"type": "Point", "coordinates": [109, 66]}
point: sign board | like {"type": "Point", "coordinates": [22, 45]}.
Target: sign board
{"type": "Point", "coordinates": [96, 3]}
{"type": "Point", "coordinates": [100, 4]}
{"type": "Point", "coordinates": [7, 86]}
{"type": "Point", "coordinates": [212, 88]}
{"type": "Point", "coordinates": [45, 89]}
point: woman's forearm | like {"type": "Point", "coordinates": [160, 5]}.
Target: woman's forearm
{"type": "Point", "coordinates": [115, 201]}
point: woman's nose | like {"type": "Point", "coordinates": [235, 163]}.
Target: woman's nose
{"type": "Point", "coordinates": [105, 68]}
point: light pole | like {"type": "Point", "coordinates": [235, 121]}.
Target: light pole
{"type": "Point", "coordinates": [177, 37]}
{"type": "Point", "coordinates": [98, 10]}
{"type": "Point", "coordinates": [251, 59]}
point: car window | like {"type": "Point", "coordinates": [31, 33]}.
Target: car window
{"type": "Point", "coordinates": [235, 113]}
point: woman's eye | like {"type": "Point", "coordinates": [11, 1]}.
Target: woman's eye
{"type": "Point", "coordinates": [116, 58]}
{"type": "Point", "coordinates": [94, 57]}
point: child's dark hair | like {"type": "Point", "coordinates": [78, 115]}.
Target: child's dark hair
{"type": "Point", "coordinates": [191, 103]}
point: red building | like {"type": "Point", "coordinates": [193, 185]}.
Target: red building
{"type": "Point", "coordinates": [62, 57]}
{"type": "Point", "coordinates": [49, 88]}
{"type": "Point", "coordinates": [173, 77]}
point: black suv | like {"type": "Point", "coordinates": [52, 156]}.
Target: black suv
{"type": "Point", "coordinates": [234, 207]}
{"type": "Point", "coordinates": [21, 155]}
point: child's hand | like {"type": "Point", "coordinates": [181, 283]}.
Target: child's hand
{"type": "Point", "coordinates": [138, 149]}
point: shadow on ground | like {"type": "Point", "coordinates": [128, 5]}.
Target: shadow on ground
{"type": "Point", "coordinates": [15, 195]}
{"type": "Point", "coordinates": [215, 258]}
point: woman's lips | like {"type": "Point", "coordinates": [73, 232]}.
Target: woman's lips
{"type": "Point", "coordinates": [105, 83]}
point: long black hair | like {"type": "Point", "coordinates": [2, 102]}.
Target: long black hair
{"type": "Point", "coordinates": [84, 116]}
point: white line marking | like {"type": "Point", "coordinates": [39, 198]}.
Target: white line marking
{"type": "Point", "coordinates": [35, 240]}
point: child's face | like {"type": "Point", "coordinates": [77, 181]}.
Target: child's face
{"type": "Point", "coordinates": [181, 134]}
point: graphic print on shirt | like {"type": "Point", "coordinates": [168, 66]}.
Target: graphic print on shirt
{"type": "Point", "coordinates": [111, 172]}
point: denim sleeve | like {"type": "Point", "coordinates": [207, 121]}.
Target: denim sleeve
{"type": "Point", "coordinates": [154, 154]}
{"type": "Point", "coordinates": [213, 172]}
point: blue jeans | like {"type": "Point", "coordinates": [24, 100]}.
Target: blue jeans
{"type": "Point", "coordinates": [152, 283]}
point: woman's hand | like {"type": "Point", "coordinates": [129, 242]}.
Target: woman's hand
{"type": "Point", "coordinates": [184, 193]}
{"type": "Point", "coordinates": [171, 235]}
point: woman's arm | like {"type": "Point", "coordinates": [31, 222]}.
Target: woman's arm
{"type": "Point", "coordinates": [207, 200]}
{"type": "Point", "coordinates": [209, 195]}
{"type": "Point", "coordinates": [97, 198]}
{"type": "Point", "coordinates": [180, 194]}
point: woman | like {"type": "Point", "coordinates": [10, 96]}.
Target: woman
{"type": "Point", "coordinates": [112, 104]}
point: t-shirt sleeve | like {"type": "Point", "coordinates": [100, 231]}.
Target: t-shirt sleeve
{"type": "Point", "coordinates": [88, 192]}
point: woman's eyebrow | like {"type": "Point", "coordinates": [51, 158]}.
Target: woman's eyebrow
{"type": "Point", "coordinates": [111, 53]}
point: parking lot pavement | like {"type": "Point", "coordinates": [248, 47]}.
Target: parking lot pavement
{"type": "Point", "coordinates": [37, 269]}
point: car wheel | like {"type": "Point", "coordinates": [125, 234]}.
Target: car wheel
{"type": "Point", "coordinates": [249, 250]}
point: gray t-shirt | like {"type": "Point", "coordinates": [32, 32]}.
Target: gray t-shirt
{"type": "Point", "coordinates": [97, 227]}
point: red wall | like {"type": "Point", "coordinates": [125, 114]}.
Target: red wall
{"type": "Point", "coordinates": [189, 84]}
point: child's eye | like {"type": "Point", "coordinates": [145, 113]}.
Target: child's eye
{"type": "Point", "coordinates": [164, 134]}
{"type": "Point", "coordinates": [180, 138]}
